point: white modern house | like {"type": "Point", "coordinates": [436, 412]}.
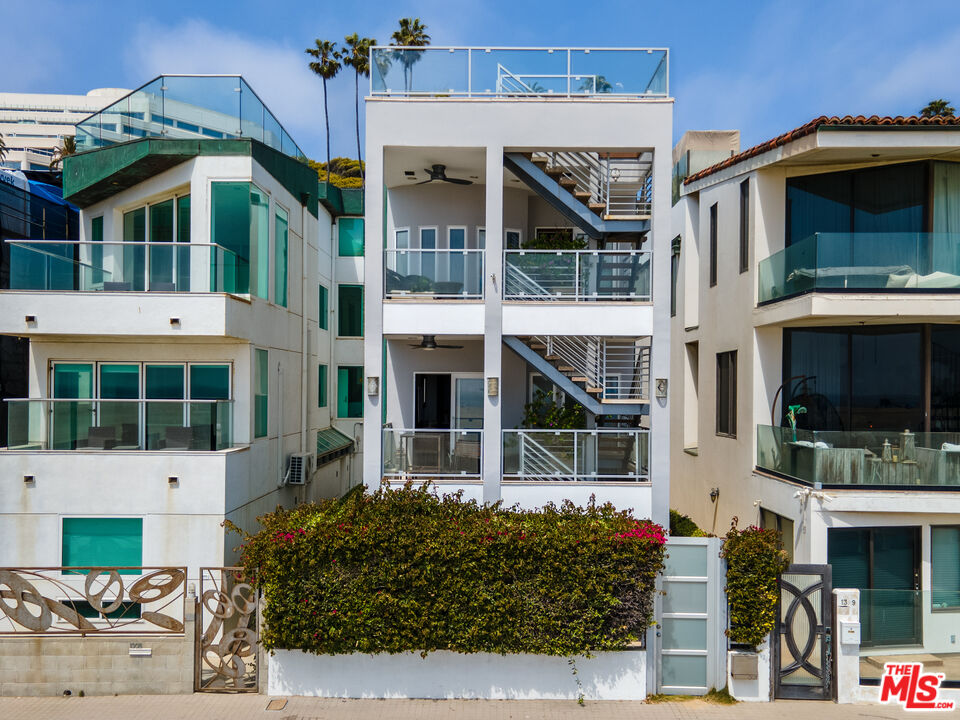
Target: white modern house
{"type": "Point", "coordinates": [33, 125]}
{"type": "Point", "coordinates": [180, 350]}
{"type": "Point", "coordinates": [815, 362]}
{"type": "Point", "coordinates": [517, 240]}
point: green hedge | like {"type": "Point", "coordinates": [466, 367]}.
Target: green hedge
{"type": "Point", "coordinates": [755, 560]}
{"type": "Point", "coordinates": [403, 569]}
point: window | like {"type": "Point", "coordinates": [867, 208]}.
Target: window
{"type": "Point", "coordinates": [134, 259]}
{"type": "Point", "coordinates": [323, 316]}
{"type": "Point", "coordinates": [512, 239]}
{"type": "Point", "coordinates": [350, 392]}
{"type": "Point", "coordinates": [945, 567]}
{"type": "Point", "coordinates": [96, 229]}
{"type": "Point", "coordinates": [713, 245]}
{"type": "Point", "coordinates": [350, 237]}
{"type": "Point", "coordinates": [674, 274]}
{"type": "Point", "coordinates": [103, 542]}
{"type": "Point", "coordinates": [744, 225]}
{"type": "Point", "coordinates": [770, 520]}
{"type": "Point", "coordinates": [428, 260]}
{"type": "Point", "coordinates": [239, 224]}
{"type": "Point", "coordinates": [280, 257]}
{"type": "Point", "coordinates": [727, 393]}
{"type": "Point", "coordinates": [261, 385]}
{"type": "Point", "coordinates": [691, 396]}
{"type": "Point", "coordinates": [322, 386]}
{"type": "Point", "coordinates": [350, 310]}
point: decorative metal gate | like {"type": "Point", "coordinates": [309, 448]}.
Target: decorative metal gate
{"type": "Point", "coordinates": [802, 648]}
{"type": "Point", "coordinates": [228, 648]}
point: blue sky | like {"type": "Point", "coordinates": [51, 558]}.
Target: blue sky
{"type": "Point", "coordinates": [761, 67]}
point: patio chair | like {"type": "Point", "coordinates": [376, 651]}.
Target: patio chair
{"type": "Point", "coordinates": [102, 438]}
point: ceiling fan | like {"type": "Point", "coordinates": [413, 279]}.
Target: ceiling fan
{"type": "Point", "coordinates": [429, 342]}
{"type": "Point", "coordinates": [439, 172]}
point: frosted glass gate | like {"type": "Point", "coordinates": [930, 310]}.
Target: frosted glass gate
{"type": "Point", "coordinates": [692, 641]}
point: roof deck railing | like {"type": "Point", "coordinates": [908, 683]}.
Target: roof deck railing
{"type": "Point", "coordinates": [595, 73]}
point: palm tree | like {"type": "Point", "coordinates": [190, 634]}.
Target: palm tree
{"type": "Point", "coordinates": [68, 146]}
{"type": "Point", "coordinates": [412, 33]}
{"type": "Point", "coordinates": [939, 107]}
{"type": "Point", "coordinates": [326, 64]}
{"type": "Point", "coordinates": [357, 56]}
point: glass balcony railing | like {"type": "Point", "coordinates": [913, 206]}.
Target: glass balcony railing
{"type": "Point", "coordinates": [48, 424]}
{"type": "Point", "coordinates": [905, 626]}
{"type": "Point", "coordinates": [442, 274]}
{"type": "Point", "coordinates": [73, 266]}
{"type": "Point", "coordinates": [576, 275]}
{"type": "Point", "coordinates": [210, 107]}
{"type": "Point", "coordinates": [857, 262]}
{"type": "Point", "coordinates": [576, 455]}
{"type": "Point", "coordinates": [515, 72]}
{"type": "Point", "coordinates": [854, 458]}
{"type": "Point", "coordinates": [432, 453]}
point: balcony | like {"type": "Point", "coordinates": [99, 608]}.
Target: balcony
{"type": "Point", "coordinates": [862, 262]}
{"type": "Point", "coordinates": [74, 266]}
{"type": "Point", "coordinates": [132, 425]}
{"type": "Point", "coordinates": [577, 275]}
{"type": "Point", "coordinates": [861, 458]}
{"type": "Point", "coordinates": [440, 72]}
{"type": "Point", "coordinates": [576, 455]}
{"type": "Point", "coordinates": [435, 454]}
{"type": "Point", "coordinates": [442, 274]}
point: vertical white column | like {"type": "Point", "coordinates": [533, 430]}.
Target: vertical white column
{"type": "Point", "coordinates": [374, 198]}
{"type": "Point", "coordinates": [846, 618]}
{"type": "Point", "coordinates": [492, 326]}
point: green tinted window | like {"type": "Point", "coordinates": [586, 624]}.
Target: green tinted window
{"type": "Point", "coordinates": [322, 386]}
{"type": "Point", "coordinates": [350, 234]}
{"type": "Point", "coordinates": [183, 219]}
{"type": "Point", "coordinates": [260, 239]}
{"type": "Point", "coordinates": [135, 225]}
{"type": "Point", "coordinates": [209, 382]}
{"type": "Point", "coordinates": [164, 382]}
{"type": "Point", "coordinates": [103, 542]}
{"type": "Point", "coordinates": [230, 228]}
{"type": "Point", "coordinates": [280, 257]}
{"type": "Point", "coordinates": [120, 382]}
{"type": "Point", "coordinates": [350, 310]}
{"type": "Point", "coordinates": [322, 319]}
{"type": "Point", "coordinates": [261, 383]}
{"type": "Point", "coordinates": [350, 392]}
{"type": "Point", "coordinates": [96, 229]}
{"type": "Point", "coordinates": [161, 222]}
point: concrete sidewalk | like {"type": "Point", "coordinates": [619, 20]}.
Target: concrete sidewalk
{"type": "Point", "coordinates": [242, 707]}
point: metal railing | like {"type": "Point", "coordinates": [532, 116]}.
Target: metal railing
{"type": "Point", "coordinates": [92, 600]}
{"type": "Point", "coordinates": [601, 455]}
{"type": "Point", "coordinates": [577, 275]}
{"type": "Point", "coordinates": [618, 367]}
{"type": "Point", "coordinates": [638, 73]}
{"type": "Point", "coordinates": [84, 266]}
{"type": "Point", "coordinates": [622, 186]}
{"type": "Point", "coordinates": [132, 425]}
{"type": "Point", "coordinates": [454, 454]}
{"type": "Point", "coordinates": [441, 273]}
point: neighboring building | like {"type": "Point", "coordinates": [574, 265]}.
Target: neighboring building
{"type": "Point", "coordinates": [34, 124]}
{"type": "Point", "coordinates": [174, 349]}
{"type": "Point", "coordinates": [818, 279]}
{"type": "Point", "coordinates": [484, 174]}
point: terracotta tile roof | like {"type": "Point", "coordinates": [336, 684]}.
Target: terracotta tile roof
{"type": "Point", "coordinates": [814, 125]}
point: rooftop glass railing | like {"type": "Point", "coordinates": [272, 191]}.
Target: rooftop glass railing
{"type": "Point", "coordinates": [72, 424]}
{"type": "Point", "coordinates": [75, 266]}
{"type": "Point", "coordinates": [576, 275]}
{"type": "Point", "coordinates": [193, 107]}
{"type": "Point", "coordinates": [857, 458]}
{"type": "Point", "coordinates": [576, 455]}
{"type": "Point", "coordinates": [514, 72]}
{"type": "Point", "coordinates": [858, 262]}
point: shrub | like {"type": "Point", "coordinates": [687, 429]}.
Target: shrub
{"type": "Point", "coordinates": [682, 526]}
{"type": "Point", "coordinates": [543, 413]}
{"type": "Point", "coordinates": [755, 560]}
{"type": "Point", "coordinates": [403, 569]}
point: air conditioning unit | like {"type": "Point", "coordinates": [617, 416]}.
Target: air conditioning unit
{"type": "Point", "coordinates": [299, 468]}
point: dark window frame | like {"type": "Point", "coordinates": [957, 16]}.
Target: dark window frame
{"type": "Point", "coordinates": [726, 422]}
{"type": "Point", "coordinates": [713, 245]}
{"type": "Point", "coordinates": [674, 274]}
{"type": "Point", "coordinates": [745, 225]}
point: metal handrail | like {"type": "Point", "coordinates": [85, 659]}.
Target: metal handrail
{"type": "Point", "coordinates": [568, 282]}
{"type": "Point", "coordinates": [534, 458]}
{"type": "Point", "coordinates": [619, 368]}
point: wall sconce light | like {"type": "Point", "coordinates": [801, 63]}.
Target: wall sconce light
{"type": "Point", "coordinates": [661, 387]}
{"type": "Point", "coordinates": [373, 385]}
{"type": "Point", "coordinates": [493, 386]}
{"type": "Point", "coordinates": [714, 494]}
{"type": "Point", "coordinates": [173, 481]}
{"type": "Point", "coordinates": [30, 319]}
{"type": "Point", "coordinates": [29, 479]}
{"type": "Point", "coordinates": [175, 322]}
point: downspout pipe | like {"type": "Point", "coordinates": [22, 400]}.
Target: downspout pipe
{"type": "Point", "coordinates": [304, 329]}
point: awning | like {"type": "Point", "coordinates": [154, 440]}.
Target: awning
{"type": "Point", "coordinates": [331, 445]}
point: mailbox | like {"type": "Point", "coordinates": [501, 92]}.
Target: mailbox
{"type": "Point", "coordinates": [849, 632]}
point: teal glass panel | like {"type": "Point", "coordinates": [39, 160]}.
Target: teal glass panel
{"type": "Point", "coordinates": [260, 239]}
{"type": "Point", "coordinates": [684, 633]}
{"type": "Point", "coordinates": [945, 570]}
{"type": "Point", "coordinates": [684, 671]}
{"type": "Point", "coordinates": [103, 542]}
{"type": "Point", "coordinates": [350, 237]}
{"type": "Point", "coordinates": [323, 318]}
{"type": "Point", "coordinates": [280, 257]}
{"type": "Point", "coordinates": [134, 257]}
{"type": "Point", "coordinates": [120, 382]}
{"type": "Point", "coordinates": [96, 253]}
{"type": "Point", "coordinates": [71, 420]}
{"type": "Point", "coordinates": [322, 386]}
{"type": "Point", "coordinates": [684, 597]}
{"type": "Point", "coordinates": [261, 382]}
{"type": "Point", "coordinates": [183, 236]}
{"type": "Point", "coordinates": [73, 380]}
{"type": "Point", "coordinates": [209, 382]}
{"type": "Point", "coordinates": [350, 310]}
{"type": "Point", "coordinates": [163, 382]}
{"type": "Point", "coordinates": [230, 228]}
{"type": "Point", "coordinates": [350, 392]}
{"type": "Point", "coordinates": [210, 423]}
{"type": "Point", "coordinates": [686, 561]}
